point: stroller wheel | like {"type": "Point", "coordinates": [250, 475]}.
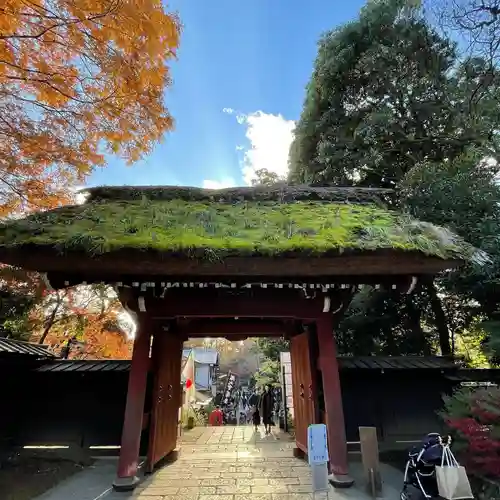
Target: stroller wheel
{"type": "Point", "coordinates": [411, 494]}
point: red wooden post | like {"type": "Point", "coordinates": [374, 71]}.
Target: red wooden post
{"type": "Point", "coordinates": [132, 425]}
{"type": "Point", "coordinates": [337, 444]}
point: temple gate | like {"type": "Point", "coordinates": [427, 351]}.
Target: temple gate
{"type": "Point", "coordinates": [270, 261]}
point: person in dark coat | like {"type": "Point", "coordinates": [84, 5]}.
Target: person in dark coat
{"type": "Point", "coordinates": [256, 418]}
{"type": "Point", "coordinates": [266, 408]}
{"type": "Point", "coordinates": [253, 400]}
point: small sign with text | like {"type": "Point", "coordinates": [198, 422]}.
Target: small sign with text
{"type": "Point", "coordinates": [317, 446]}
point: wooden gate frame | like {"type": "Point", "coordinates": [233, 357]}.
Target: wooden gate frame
{"type": "Point", "coordinates": [304, 387]}
{"type": "Point", "coordinates": [261, 313]}
{"type": "Point", "coordinates": [166, 355]}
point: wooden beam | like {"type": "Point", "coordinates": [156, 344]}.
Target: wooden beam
{"type": "Point", "coordinates": [233, 337]}
{"type": "Point", "coordinates": [235, 327]}
{"type": "Point", "coordinates": [59, 279]}
{"type": "Point", "coordinates": [238, 336]}
{"type": "Point", "coordinates": [148, 263]}
{"type": "Point", "coordinates": [207, 304]}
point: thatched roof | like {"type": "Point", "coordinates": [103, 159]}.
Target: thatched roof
{"type": "Point", "coordinates": [279, 193]}
{"type": "Point", "coordinates": [267, 221]}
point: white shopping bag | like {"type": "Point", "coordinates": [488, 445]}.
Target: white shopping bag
{"type": "Point", "coordinates": [452, 480]}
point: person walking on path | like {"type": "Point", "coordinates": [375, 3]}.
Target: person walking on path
{"type": "Point", "coordinates": [216, 418]}
{"type": "Point", "coordinates": [249, 414]}
{"type": "Point", "coordinates": [240, 412]}
{"type": "Point", "coordinates": [256, 417]}
{"type": "Point", "coordinates": [253, 400]}
{"type": "Point", "coordinates": [266, 408]}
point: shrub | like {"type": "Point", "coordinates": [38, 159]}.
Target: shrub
{"type": "Point", "coordinates": [209, 408]}
{"type": "Point", "coordinates": [289, 421]}
{"type": "Point", "coordinates": [473, 417]}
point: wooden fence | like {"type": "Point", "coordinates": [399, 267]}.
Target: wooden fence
{"type": "Point", "coordinates": [64, 409]}
{"type": "Point", "coordinates": [85, 408]}
{"type": "Point", "coordinates": [402, 405]}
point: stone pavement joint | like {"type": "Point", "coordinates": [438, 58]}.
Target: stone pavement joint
{"type": "Point", "coordinates": [222, 463]}
{"type": "Point", "coordinates": [235, 463]}
{"type": "Point", "coordinates": [230, 463]}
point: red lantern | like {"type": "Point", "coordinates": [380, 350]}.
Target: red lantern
{"type": "Point", "coordinates": [189, 383]}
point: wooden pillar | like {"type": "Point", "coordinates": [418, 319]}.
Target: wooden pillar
{"type": "Point", "coordinates": [313, 357]}
{"type": "Point", "coordinates": [371, 460]}
{"type": "Point", "coordinates": [132, 425]}
{"type": "Point", "coordinates": [337, 444]}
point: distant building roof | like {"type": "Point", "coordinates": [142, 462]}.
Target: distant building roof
{"type": "Point", "coordinates": [202, 355]}
{"type": "Point", "coordinates": [85, 365]}
{"type": "Point", "coordinates": [20, 348]}
{"type": "Point", "coordinates": [345, 363]}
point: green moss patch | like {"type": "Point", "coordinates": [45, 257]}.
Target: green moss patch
{"type": "Point", "coordinates": [210, 229]}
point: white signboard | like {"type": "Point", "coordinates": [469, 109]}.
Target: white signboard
{"type": "Point", "coordinates": [286, 380]}
{"type": "Point", "coordinates": [317, 446]}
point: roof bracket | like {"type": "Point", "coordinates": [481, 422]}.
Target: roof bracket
{"type": "Point", "coordinates": [326, 304]}
{"type": "Point", "coordinates": [339, 308]}
{"type": "Point", "coordinates": [412, 286]}
{"type": "Point", "coordinates": [141, 303]}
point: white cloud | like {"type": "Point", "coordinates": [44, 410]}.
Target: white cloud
{"type": "Point", "coordinates": [78, 197]}
{"type": "Point", "coordinates": [270, 137]}
{"type": "Point", "coordinates": [224, 183]}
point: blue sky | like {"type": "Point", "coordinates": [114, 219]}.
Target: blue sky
{"type": "Point", "coordinates": [238, 87]}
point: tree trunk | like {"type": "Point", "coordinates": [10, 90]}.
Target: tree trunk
{"type": "Point", "coordinates": [52, 319]}
{"type": "Point", "coordinates": [439, 317]}
{"type": "Point", "coordinates": [419, 342]}
{"type": "Point", "coordinates": [49, 324]}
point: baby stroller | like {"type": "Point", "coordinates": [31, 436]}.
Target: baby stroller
{"type": "Point", "coordinates": [420, 472]}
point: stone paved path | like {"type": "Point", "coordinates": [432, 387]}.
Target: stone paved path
{"type": "Point", "coordinates": [235, 463]}
{"type": "Point", "coordinates": [221, 463]}
{"type": "Point", "coordinates": [230, 463]}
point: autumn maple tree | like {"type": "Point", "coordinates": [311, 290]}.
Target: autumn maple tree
{"type": "Point", "coordinates": [81, 322]}
{"type": "Point", "coordinates": [78, 78]}
{"type": "Point", "coordinates": [473, 416]}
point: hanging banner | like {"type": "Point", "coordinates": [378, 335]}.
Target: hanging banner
{"type": "Point", "coordinates": [230, 387]}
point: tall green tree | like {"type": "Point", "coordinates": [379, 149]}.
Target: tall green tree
{"type": "Point", "coordinates": [384, 322]}
{"type": "Point", "coordinates": [19, 292]}
{"type": "Point", "coordinates": [464, 195]}
{"type": "Point", "coordinates": [264, 177]}
{"type": "Point", "coordinates": [270, 348]}
{"type": "Point", "coordinates": [390, 104]}
{"type": "Point", "coordinates": [14, 311]}
{"type": "Point", "coordinates": [385, 93]}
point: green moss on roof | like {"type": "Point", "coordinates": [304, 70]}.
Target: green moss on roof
{"type": "Point", "coordinates": [214, 224]}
